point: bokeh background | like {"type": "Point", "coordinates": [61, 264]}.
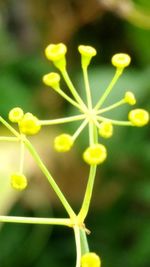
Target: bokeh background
{"type": "Point", "coordinates": [119, 218]}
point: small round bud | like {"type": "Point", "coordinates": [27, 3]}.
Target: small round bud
{"type": "Point", "coordinates": [18, 181]}
{"type": "Point", "coordinates": [95, 154]}
{"type": "Point", "coordinates": [56, 53]}
{"type": "Point", "coordinates": [15, 114]}
{"type": "Point", "coordinates": [29, 124]}
{"type": "Point", "coordinates": [52, 79]}
{"type": "Point", "coordinates": [121, 60]}
{"type": "Point", "coordinates": [130, 98]}
{"type": "Point", "coordinates": [87, 52]}
{"type": "Point", "coordinates": [63, 142]}
{"type": "Point", "coordinates": [90, 259]}
{"type": "Point", "coordinates": [106, 129]}
{"type": "Point", "coordinates": [138, 117]}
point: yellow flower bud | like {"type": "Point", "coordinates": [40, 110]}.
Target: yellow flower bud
{"type": "Point", "coordinates": [90, 259]}
{"type": "Point", "coordinates": [87, 52]}
{"type": "Point", "coordinates": [138, 117]}
{"type": "Point", "coordinates": [130, 98]}
{"type": "Point", "coordinates": [29, 124]}
{"type": "Point", "coordinates": [52, 79]}
{"type": "Point", "coordinates": [121, 60]}
{"type": "Point", "coordinates": [15, 114]}
{"type": "Point", "coordinates": [63, 142]}
{"type": "Point", "coordinates": [106, 129]}
{"type": "Point", "coordinates": [56, 53]}
{"type": "Point", "coordinates": [95, 154]}
{"type": "Point", "coordinates": [18, 181]}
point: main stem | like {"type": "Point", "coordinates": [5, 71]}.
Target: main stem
{"type": "Point", "coordinates": [88, 194]}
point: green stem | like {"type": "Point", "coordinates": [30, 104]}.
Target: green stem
{"type": "Point", "coordinates": [11, 129]}
{"type": "Point", "coordinates": [88, 194]}
{"type": "Point", "coordinates": [108, 89]}
{"type": "Point", "coordinates": [80, 129]}
{"type": "Point", "coordinates": [91, 133]}
{"type": "Point", "coordinates": [31, 220]}
{"type": "Point", "coordinates": [115, 105]}
{"type": "Point", "coordinates": [9, 139]}
{"type": "Point", "coordinates": [78, 245]}
{"type": "Point", "coordinates": [72, 88]}
{"type": "Point", "coordinates": [50, 179]}
{"type": "Point", "coordinates": [115, 122]}
{"type": "Point", "coordinates": [69, 99]}
{"type": "Point", "coordinates": [62, 120]}
{"type": "Point", "coordinates": [87, 88]}
{"type": "Point", "coordinates": [84, 242]}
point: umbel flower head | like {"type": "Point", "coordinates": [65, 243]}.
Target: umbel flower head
{"type": "Point", "coordinates": [90, 115]}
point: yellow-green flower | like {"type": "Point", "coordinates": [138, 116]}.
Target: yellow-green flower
{"type": "Point", "coordinates": [95, 154]}
{"type": "Point", "coordinates": [63, 142]}
{"type": "Point", "coordinates": [106, 129]}
{"type": "Point", "coordinates": [138, 117]}
{"type": "Point", "coordinates": [87, 52]}
{"type": "Point", "coordinates": [29, 124]}
{"type": "Point", "coordinates": [52, 79]}
{"type": "Point", "coordinates": [18, 181]}
{"type": "Point", "coordinates": [90, 259]}
{"type": "Point", "coordinates": [121, 60]}
{"type": "Point", "coordinates": [15, 114]}
{"type": "Point", "coordinates": [130, 98]}
{"type": "Point", "coordinates": [56, 53]}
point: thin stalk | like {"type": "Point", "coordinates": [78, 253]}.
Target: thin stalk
{"type": "Point", "coordinates": [91, 133]}
{"type": "Point", "coordinates": [80, 129]}
{"type": "Point", "coordinates": [87, 88]}
{"type": "Point", "coordinates": [8, 126]}
{"type": "Point", "coordinates": [72, 88]}
{"type": "Point", "coordinates": [78, 245]}
{"type": "Point", "coordinates": [62, 120]}
{"type": "Point", "coordinates": [115, 105]}
{"type": "Point", "coordinates": [88, 194]}
{"type": "Point", "coordinates": [115, 122]}
{"type": "Point", "coordinates": [69, 99]}
{"type": "Point", "coordinates": [84, 242]}
{"type": "Point", "coordinates": [9, 139]}
{"type": "Point", "coordinates": [50, 178]}
{"type": "Point", "coordinates": [32, 220]}
{"type": "Point", "coordinates": [108, 89]}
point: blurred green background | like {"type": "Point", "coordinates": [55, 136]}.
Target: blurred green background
{"type": "Point", "coordinates": [119, 217]}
